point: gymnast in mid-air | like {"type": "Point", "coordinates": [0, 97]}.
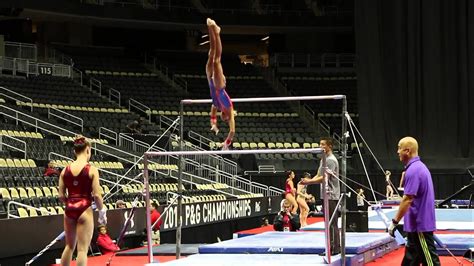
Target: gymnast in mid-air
{"type": "Point", "coordinates": [217, 84]}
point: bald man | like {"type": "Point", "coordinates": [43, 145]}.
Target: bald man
{"type": "Point", "coordinates": [417, 207]}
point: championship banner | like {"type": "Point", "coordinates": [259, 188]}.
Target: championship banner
{"type": "Point", "coordinates": [201, 213]}
{"type": "Point", "coordinates": [194, 214]}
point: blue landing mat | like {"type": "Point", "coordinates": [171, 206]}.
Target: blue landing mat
{"type": "Point", "coordinates": [163, 250]}
{"type": "Point", "coordinates": [458, 244]}
{"type": "Point", "coordinates": [446, 219]}
{"type": "Point", "coordinates": [295, 243]}
{"type": "Point", "coordinates": [444, 215]}
{"type": "Point", "coordinates": [254, 259]}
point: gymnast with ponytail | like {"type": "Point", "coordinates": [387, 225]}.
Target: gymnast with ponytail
{"type": "Point", "coordinates": [78, 186]}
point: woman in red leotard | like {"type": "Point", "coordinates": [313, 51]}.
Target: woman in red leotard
{"type": "Point", "coordinates": [290, 191]}
{"type": "Point", "coordinates": [78, 184]}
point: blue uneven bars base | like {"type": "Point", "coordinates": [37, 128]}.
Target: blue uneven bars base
{"type": "Point", "coordinates": [254, 259]}
{"type": "Point", "coordinates": [278, 259]}
{"type": "Point", "coordinates": [458, 244]}
{"type": "Point", "coordinates": [360, 247]}
{"type": "Point", "coordinates": [294, 243]}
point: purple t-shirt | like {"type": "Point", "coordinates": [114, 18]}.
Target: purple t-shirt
{"type": "Point", "coordinates": [420, 217]}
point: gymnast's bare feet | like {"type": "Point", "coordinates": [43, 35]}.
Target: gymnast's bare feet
{"type": "Point", "coordinates": [210, 22]}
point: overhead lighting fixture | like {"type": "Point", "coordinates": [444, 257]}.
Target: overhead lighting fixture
{"type": "Point", "coordinates": [203, 43]}
{"type": "Point", "coordinates": [265, 38]}
{"type": "Point", "coordinates": [204, 36]}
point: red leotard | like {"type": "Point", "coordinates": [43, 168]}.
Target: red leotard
{"type": "Point", "coordinates": [79, 190]}
{"type": "Point", "coordinates": [288, 189]}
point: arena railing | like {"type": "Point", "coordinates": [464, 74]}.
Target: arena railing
{"type": "Point", "coordinates": [188, 162]}
{"type": "Point", "coordinates": [212, 173]}
{"type": "Point", "coordinates": [16, 94]}
{"type": "Point", "coordinates": [188, 178]}
{"type": "Point", "coordinates": [170, 196]}
{"type": "Point", "coordinates": [191, 166]}
{"type": "Point", "coordinates": [261, 9]}
{"type": "Point", "coordinates": [76, 74]}
{"type": "Point", "coordinates": [233, 181]}
{"type": "Point", "coordinates": [266, 168]}
{"type": "Point", "coordinates": [21, 147]}
{"type": "Point", "coordinates": [114, 95]}
{"type": "Point", "coordinates": [59, 70]}
{"type": "Point", "coordinates": [34, 122]}
{"type": "Point", "coordinates": [165, 121]}
{"type": "Point", "coordinates": [60, 131]}
{"type": "Point", "coordinates": [274, 191]}
{"type": "Point", "coordinates": [108, 134]}
{"type": "Point", "coordinates": [141, 146]}
{"type": "Point", "coordinates": [53, 155]}
{"type": "Point", "coordinates": [180, 82]}
{"type": "Point", "coordinates": [326, 60]}
{"type": "Point", "coordinates": [220, 162]}
{"type": "Point", "coordinates": [126, 141]}
{"type": "Point", "coordinates": [6, 63]}
{"type": "Point", "coordinates": [279, 86]}
{"type": "Point", "coordinates": [203, 141]}
{"type": "Point", "coordinates": [95, 84]}
{"type": "Point", "coordinates": [170, 78]}
{"type": "Point", "coordinates": [53, 55]}
{"type": "Point", "coordinates": [324, 126]}
{"type": "Point", "coordinates": [312, 114]}
{"type": "Point", "coordinates": [9, 215]}
{"type": "Point", "coordinates": [21, 65]}
{"type": "Point", "coordinates": [258, 188]}
{"type": "Point", "coordinates": [21, 50]}
{"type": "Point", "coordinates": [139, 106]}
{"type": "Point", "coordinates": [66, 117]}
{"type": "Point", "coordinates": [24, 66]}
{"type": "Point", "coordinates": [97, 147]}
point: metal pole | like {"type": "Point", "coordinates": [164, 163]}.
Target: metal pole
{"type": "Point", "coordinates": [57, 239]}
{"type": "Point", "coordinates": [180, 182]}
{"type": "Point", "coordinates": [269, 99]}
{"type": "Point", "coordinates": [343, 177]}
{"type": "Point", "coordinates": [326, 208]}
{"type": "Point", "coordinates": [147, 204]}
{"type": "Point", "coordinates": [220, 152]}
{"type": "Point", "coordinates": [165, 211]}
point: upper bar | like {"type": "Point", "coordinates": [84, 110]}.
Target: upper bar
{"type": "Point", "coordinates": [270, 99]}
{"type": "Point", "coordinates": [316, 150]}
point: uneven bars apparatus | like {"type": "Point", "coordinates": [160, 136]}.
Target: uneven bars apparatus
{"type": "Point", "coordinates": [260, 99]}
{"type": "Point", "coordinates": [181, 153]}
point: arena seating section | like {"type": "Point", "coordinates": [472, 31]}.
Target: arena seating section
{"type": "Point", "coordinates": [271, 125]}
{"type": "Point", "coordinates": [326, 84]}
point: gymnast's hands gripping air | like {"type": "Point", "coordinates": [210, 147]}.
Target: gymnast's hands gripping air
{"type": "Point", "coordinates": [217, 84]}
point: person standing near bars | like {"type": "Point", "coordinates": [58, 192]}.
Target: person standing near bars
{"type": "Point", "coordinates": [333, 190]}
{"type": "Point", "coordinates": [78, 186]}
{"type": "Point", "coordinates": [416, 208]}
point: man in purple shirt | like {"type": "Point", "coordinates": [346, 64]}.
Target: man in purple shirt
{"type": "Point", "coordinates": [417, 207]}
